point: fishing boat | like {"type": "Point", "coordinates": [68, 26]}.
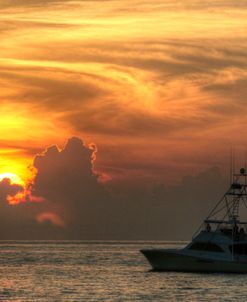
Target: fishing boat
{"type": "Point", "coordinates": [220, 243]}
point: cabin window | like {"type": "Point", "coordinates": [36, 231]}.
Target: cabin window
{"type": "Point", "coordinates": [206, 246]}
{"type": "Point", "coordinates": [240, 249]}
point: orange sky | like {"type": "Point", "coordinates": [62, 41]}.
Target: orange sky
{"type": "Point", "coordinates": [159, 86]}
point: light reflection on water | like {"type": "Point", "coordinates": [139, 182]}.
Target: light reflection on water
{"type": "Point", "coordinates": [77, 271]}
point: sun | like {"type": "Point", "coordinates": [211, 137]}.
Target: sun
{"type": "Point", "coordinates": [14, 179]}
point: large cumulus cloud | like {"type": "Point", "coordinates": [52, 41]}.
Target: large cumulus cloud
{"type": "Point", "coordinates": [67, 180]}
{"type": "Point", "coordinates": [65, 199]}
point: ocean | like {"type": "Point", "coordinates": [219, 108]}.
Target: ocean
{"type": "Point", "coordinates": [67, 271]}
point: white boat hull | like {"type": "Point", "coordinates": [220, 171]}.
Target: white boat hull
{"type": "Point", "coordinates": [165, 260]}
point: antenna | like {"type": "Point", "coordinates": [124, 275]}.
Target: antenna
{"type": "Point", "coordinates": [245, 153]}
{"type": "Point", "coordinates": [233, 160]}
{"type": "Point", "coordinates": [231, 164]}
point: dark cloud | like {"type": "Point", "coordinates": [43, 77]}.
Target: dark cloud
{"type": "Point", "coordinates": [165, 212]}
{"type": "Point", "coordinates": [18, 221]}
{"type": "Point", "coordinates": [175, 212]}
{"type": "Point", "coordinates": [234, 94]}
{"type": "Point", "coordinates": [18, 148]}
{"type": "Point", "coordinates": [9, 27]}
{"type": "Point", "coordinates": [65, 201]}
{"type": "Point", "coordinates": [172, 57]}
{"type": "Point", "coordinates": [29, 3]}
{"type": "Point", "coordinates": [76, 205]}
{"type": "Point", "coordinates": [146, 4]}
{"type": "Point", "coordinates": [66, 179]}
{"type": "Point", "coordinates": [8, 189]}
{"type": "Point", "coordinates": [62, 93]}
{"type": "Point", "coordinates": [129, 123]}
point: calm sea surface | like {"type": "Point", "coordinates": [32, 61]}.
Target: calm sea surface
{"type": "Point", "coordinates": [79, 271]}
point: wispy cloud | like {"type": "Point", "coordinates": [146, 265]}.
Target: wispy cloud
{"type": "Point", "coordinates": [172, 74]}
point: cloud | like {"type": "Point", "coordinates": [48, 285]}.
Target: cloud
{"type": "Point", "coordinates": [52, 89]}
{"type": "Point", "coordinates": [24, 196]}
{"type": "Point", "coordinates": [155, 89]}
{"type": "Point", "coordinates": [50, 217]}
{"type": "Point", "coordinates": [87, 208]}
{"type": "Point", "coordinates": [71, 167]}
{"type": "Point", "coordinates": [75, 204]}
{"type": "Point", "coordinates": [176, 211]}
{"type": "Point", "coordinates": [16, 218]}
{"type": "Point", "coordinates": [14, 194]}
{"type": "Point", "coordinates": [7, 189]}
{"type": "Point", "coordinates": [157, 79]}
{"type": "Point", "coordinates": [66, 179]}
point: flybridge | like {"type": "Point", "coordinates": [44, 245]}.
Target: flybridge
{"type": "Point", "coordinates": [225, 216]}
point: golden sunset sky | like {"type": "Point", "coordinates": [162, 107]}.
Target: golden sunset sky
{"type": "Point", "coordinates": [159, 86]}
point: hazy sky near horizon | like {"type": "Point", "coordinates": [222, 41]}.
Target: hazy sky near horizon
{"type": "Point", "coordinates": [159, 87]}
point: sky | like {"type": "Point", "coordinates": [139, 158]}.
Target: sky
{"type": "Point", "coordinates": [112, 112]}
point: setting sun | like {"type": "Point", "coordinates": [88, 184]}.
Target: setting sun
{"type": "Point", "coordinates": [15, 179]}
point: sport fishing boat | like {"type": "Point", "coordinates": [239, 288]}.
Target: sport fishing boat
{"type": "Point", "coordinates": [220, 243]}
